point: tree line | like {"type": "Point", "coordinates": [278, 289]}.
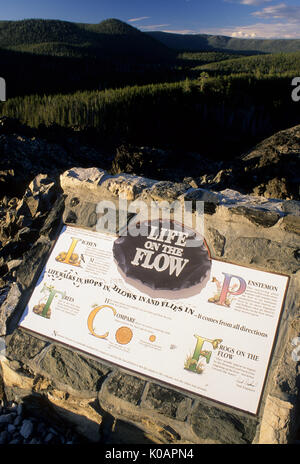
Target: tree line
{"type": "Point", "coordinates": [213, 115]}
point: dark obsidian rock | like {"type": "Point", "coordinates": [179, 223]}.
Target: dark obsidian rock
{"type": "Point", "coordinates": [259, 217]}
{"type": "Point", "coordinates": [126, 387]}
{"type": "Point", "coordinates": [74, 201]}
{"type": "Point", "coordinates": [162, 260]}
{"type": "Point", "coordinates": [71, 217]}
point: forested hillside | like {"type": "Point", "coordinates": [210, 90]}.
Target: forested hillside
{"type": "Point", "coordinates": [216, 116]}
{"type": "Point", "coordinates": [123, 86]}
{"type": "Point", "coordinates": [204, 42]}
{"type": "Point", "coordinates": [58, 56]}
{"type": "Point", "coordinates": [110, 38]}
{"type": "Point", "coordinates": [277, 64]}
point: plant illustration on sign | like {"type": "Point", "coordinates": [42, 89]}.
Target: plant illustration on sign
{"type": "Point", "coordinates": [43, 308]}
{"type": "Point", "coordinates": [69, 257]}
{"type": "Point", "coordinates": [193, 365]}
{"type": "Point", "coordinates": [226, 292]}
{"type": "Point", "coordinates": [196, 363]}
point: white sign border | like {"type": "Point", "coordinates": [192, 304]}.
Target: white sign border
{"type": "Point", "coordinates": [147, 377]}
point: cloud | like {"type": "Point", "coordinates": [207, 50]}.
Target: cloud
{"type": "Point", "coordinates": [152, 27]}
{"type": "Point", "coordinates": [273, 21]}
{"type": "Point", "coordinates": [249, 2]}
{"type": "Point", "coordinates": [280, 11]}
{"type": "Point", "coordinates": [133, 20]}
{"type": "Point", "coordinates": [254, 2]}
{"type": "Point", "coordinates": [181, 31]}
{"type": "Point", "coordinates": [244, 34]}
{"type": "Point", "coordinates": [260, 30]}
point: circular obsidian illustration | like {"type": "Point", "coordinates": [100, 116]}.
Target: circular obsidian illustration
{"type": "Point", "coordinates": [166, 260]}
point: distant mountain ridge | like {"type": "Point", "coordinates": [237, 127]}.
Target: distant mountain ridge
{"type": "Point", "coordinates": [119, 38]}
{"type": "Point", "coordinates": [205, 42]}
{"type": "Point", "coordinates": [111, 36]}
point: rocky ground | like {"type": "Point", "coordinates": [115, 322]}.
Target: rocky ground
{"type": "Point", "coordinates": [17, 427]}
{"type": "Point", "coordinates": [270, 169]}
{"type": "Point", "coordinates": [20, 425]}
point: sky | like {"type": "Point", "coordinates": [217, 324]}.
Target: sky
{"type": "Point", "coordinates": [236, 18]}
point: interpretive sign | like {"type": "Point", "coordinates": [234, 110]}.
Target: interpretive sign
{"type": "Point", "coordinates": [159, 306]}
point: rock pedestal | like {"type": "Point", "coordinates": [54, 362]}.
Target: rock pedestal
{"type": "Point", "coordinates": [106, 403]}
